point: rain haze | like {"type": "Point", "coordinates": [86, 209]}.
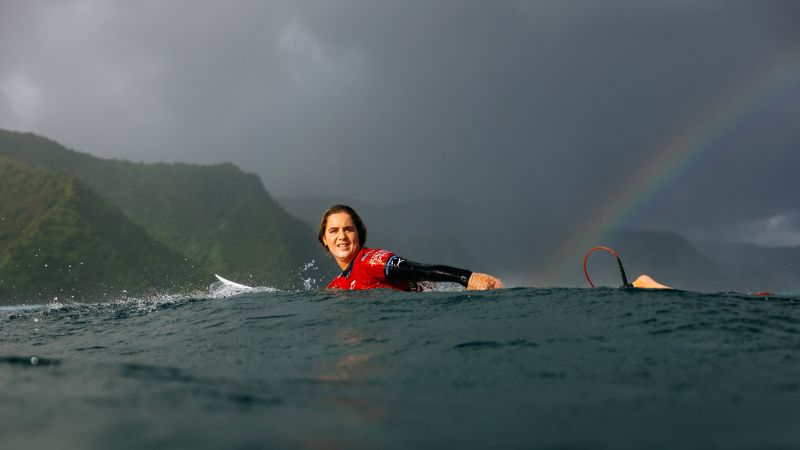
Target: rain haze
{"type": "Point", "coordinates": [527, 113]}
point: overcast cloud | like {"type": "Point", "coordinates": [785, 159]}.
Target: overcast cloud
{"type": "Point", "coordinates": [536, 109]}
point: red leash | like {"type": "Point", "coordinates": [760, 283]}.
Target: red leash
{"type": "Point", "coordinates": [619, 262]}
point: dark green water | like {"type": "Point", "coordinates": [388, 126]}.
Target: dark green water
{"type": "Point", "coordinates": [518, 368]}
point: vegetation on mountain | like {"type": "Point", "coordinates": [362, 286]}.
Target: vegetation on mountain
{"type": "Point", "coordinates": [218, 217]}
{"type": "Point", "coordinates": [60, 241]}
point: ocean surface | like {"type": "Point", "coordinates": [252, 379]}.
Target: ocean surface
{"type": "Point", "coordinates": [516, 368]}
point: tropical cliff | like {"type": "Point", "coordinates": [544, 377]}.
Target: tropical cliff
{"type": "Point", "coordinates": [196, 220]}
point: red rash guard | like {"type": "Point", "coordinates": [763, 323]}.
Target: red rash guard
{"type": "Point", "coordinates": [375, 268]}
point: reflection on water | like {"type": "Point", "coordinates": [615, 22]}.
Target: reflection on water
{"type": "Point", "coordinates": [356, 370]}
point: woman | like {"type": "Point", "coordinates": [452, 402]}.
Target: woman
{"type": "Point", "coordinates": [343, 234]}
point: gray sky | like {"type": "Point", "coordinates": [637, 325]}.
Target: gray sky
{"type": "Point", "coordinates": [538, 110]}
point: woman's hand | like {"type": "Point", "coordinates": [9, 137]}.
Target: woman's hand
{"type": "Point", "coordinates": [482, 282]}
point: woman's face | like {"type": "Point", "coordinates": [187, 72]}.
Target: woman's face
{"type": "Point", "coordinates": [341, 237]}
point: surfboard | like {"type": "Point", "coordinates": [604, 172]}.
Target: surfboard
{"type": "Point", "coordinates": [230, 283]}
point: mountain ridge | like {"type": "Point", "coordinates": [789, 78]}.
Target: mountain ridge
{"type": "Point", "coordinates": [219, 217]}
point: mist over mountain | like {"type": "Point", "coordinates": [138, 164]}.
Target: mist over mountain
{"type": "Point", "coordinates": [752, 267]}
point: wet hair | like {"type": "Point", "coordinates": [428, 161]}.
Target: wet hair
{"type": "Point", "coordinates": [335, 209]}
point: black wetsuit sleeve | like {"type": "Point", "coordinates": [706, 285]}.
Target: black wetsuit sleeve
{"type": "Point", "coordinates": [400, 269]}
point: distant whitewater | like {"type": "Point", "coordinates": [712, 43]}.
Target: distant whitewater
{"type": "Point", "coordinates": [517, 368]}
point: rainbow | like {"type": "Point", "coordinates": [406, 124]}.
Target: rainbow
{"type": "Point", "coordinates": [676, 159]}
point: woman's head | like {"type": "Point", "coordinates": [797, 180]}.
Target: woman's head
{"type": "Point", "coordinates": [340, 225]}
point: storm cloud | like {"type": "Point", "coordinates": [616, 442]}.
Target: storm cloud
{"type": "Point", "coordinates": [531, 110]}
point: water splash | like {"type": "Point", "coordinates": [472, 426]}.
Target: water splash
{"type": "Point", "coordinates": [309, 282]}
{"type": "Point", "coordinates": [218, 290]}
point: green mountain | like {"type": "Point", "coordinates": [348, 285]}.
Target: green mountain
{"type": "Point", "coordinates": [217, 216]}
{"type": "Point", "coordinates": [60, 240]}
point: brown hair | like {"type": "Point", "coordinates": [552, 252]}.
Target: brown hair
{"type": "Point", "coordinates": [335, 209]}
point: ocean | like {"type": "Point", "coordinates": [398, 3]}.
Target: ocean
{"type": "Point", "coordinates": [510, 369]}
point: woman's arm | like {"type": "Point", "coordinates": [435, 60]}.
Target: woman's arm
{"type": "Point", "coordinates": [398, 268]}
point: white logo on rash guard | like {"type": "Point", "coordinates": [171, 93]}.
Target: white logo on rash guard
{"type": "Point", "coordinates": [378, 257]}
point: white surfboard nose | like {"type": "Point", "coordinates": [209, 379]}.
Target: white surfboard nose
{"type": "Point", "coordinates": [232, 283]}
